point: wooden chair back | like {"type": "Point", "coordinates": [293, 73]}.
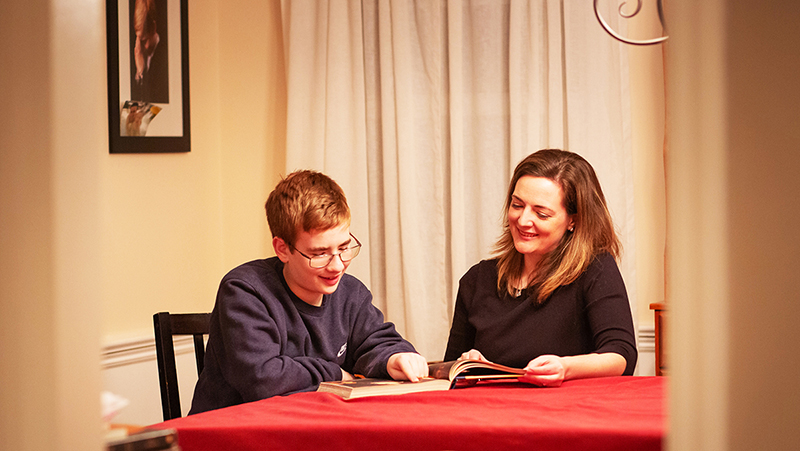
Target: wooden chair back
{"type": "Point", "coordinates": [166, 325]}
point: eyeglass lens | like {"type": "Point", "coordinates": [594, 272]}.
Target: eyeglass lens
{"type": "Point", "coordinates": [321, 261]}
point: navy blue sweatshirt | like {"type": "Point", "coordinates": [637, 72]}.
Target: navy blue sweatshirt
{"type": "Point", "coordinates": [265, 341]}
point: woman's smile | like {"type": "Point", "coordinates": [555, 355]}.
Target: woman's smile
{"type": "Point", "coordinates": [537, 217]}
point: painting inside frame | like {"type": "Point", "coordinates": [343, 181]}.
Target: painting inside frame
{"type": "Point", "coordinates": [148, 76]}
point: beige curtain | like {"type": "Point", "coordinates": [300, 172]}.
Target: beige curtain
{"type": "Point", "coordinates": [421, 110]}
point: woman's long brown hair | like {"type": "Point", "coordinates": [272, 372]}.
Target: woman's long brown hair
{"type": "Point", "coordinates": [593, 231]}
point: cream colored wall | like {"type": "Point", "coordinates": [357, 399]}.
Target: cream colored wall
{"type": "Point", "coordinates": [733, 244]}
{"type": "Point", "coordinates": [173, 224]}
{"type": "Point", "coordinates": [647, 138]}
{"type": "Point", "coordinates": [763, 133]}
{"type": "Point", "coordinates": [252, 121]}
{"type": "Point", "coordinates": [54, 134]}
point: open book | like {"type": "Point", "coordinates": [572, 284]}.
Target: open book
{"type": "Point", "coordinates": [443, 376]}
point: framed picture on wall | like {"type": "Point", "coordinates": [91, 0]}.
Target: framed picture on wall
{"type": "Point", "coordinates": [148, 76]}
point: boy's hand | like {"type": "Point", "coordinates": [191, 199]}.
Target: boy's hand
{"type": "Point", "coordinates": [407, 366]}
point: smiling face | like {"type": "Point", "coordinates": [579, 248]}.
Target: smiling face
{"type": "Point", "coordinates": [537, 218]}
{"type": "Point", "coordinates": [307, 283]}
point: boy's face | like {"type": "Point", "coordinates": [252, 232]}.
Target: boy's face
{"type": "Point", "coordinates": [310, 284]}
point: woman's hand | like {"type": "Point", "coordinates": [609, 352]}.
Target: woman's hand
{"type": "Point", "coordinates": [473, 354]}
{"type": "Point", "coordinates": [551, 370]}
{"type": "Point", "coordinates": [546, 371]}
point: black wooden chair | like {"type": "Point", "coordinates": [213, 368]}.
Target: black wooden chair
{"type": "Point", "coordinates": [166, 326]}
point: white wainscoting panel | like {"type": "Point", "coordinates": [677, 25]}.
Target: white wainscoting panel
{"type": "Point", "coordinates": [129, 370]}
{"type": "Point", "coordinates": [646, 366]}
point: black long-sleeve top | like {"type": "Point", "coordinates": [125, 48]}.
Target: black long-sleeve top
{"type": "Point", "coordinates": [590, 315]}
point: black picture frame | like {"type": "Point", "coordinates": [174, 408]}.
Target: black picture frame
{"type": "Point", "coordinates": [157, 120]}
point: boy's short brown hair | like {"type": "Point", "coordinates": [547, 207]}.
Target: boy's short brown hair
{"type": "Point", "coordinates": [305, 201]}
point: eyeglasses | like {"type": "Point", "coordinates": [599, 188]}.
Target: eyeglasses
{"type": "Point", "coordinates": [321, 261]}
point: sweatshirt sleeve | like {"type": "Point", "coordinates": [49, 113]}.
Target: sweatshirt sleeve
{"type": "Point", "coordinates": [373, 339]}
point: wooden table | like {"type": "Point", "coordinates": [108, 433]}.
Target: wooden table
{"type": "Point", "coordinates": [614, 413]}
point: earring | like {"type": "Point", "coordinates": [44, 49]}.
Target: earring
{"type": "Point", "coordinates": [571, 228]}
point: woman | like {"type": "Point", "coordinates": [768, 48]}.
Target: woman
{"type": "Point", "coordinates": [552, 299]}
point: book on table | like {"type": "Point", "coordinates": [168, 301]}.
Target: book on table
{"type": "Point", "coordinates": [442, 376]}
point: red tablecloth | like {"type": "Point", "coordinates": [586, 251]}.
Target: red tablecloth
{"type": "Point", "coordinates": [615, 413]}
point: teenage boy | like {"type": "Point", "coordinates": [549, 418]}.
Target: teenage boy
{"type": "Point", "coordinates": [284, 324]}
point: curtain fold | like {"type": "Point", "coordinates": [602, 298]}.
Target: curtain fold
{"type": "Point", "coordinates": [421, 110]}
{"type": "Point", "coordinates": [326, 126]}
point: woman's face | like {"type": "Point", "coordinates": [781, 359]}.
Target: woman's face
{"type": "Point", "coordinates": [537, 218]}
